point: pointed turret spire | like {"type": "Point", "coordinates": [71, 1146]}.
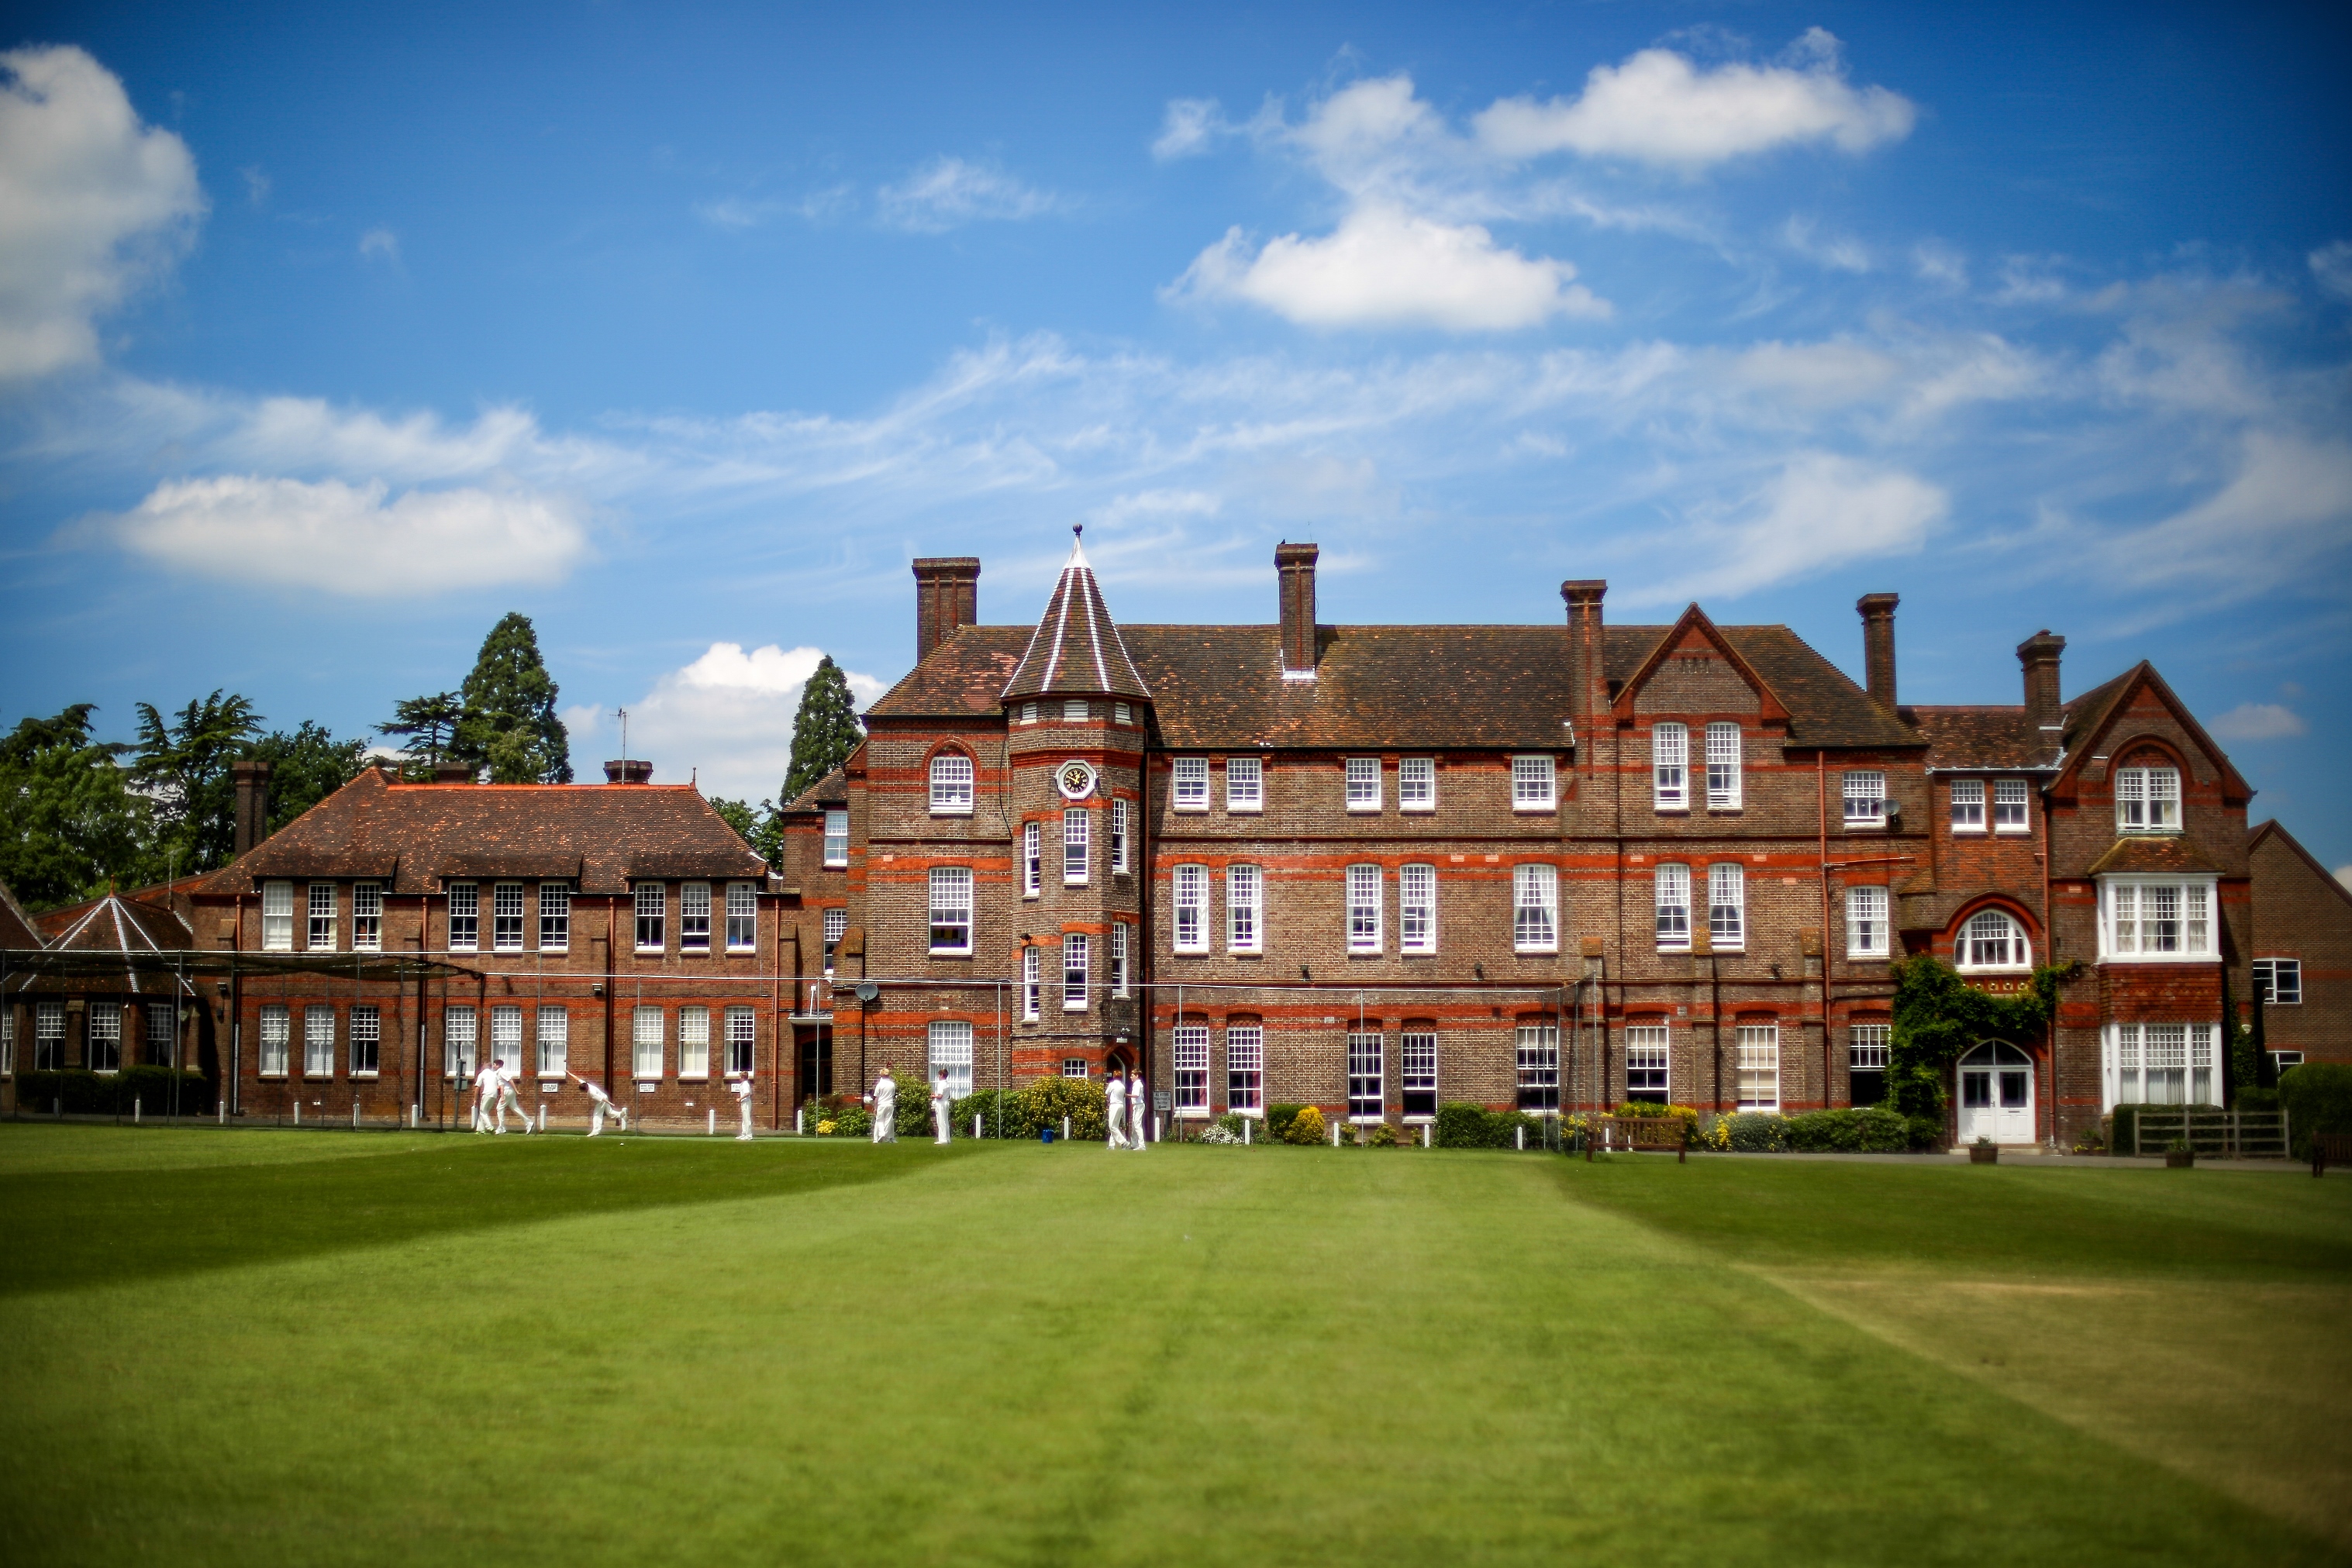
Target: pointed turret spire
{"type": "Point", "coordinates": [1077, 650]}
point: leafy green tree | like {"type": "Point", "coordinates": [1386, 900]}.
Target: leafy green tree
{"type": "Point", "coordinates": [69, 821]}
{"type": "Point", "coordinates": [429, 724]}
{"type": "Point", "coordinates": [184, 769]}
{"type": "Point", "coordinates": [510, 725]}
{"type": "Point", "coordinates": [307, 767]}
{"type": "Point", "coordinates": [824, 731]}
{"type": "Point", "coordinates": [759, 826]}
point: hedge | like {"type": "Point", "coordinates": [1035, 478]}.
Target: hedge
{"type": "Point", "coordinates": [87, 1093]}
{"type": "Point", "coordinates": [2318, 1098]}
{"type": "Point", "coordinates": [1467, 1126]}
{"type": "Point", "coordinates": [1864, 1130]}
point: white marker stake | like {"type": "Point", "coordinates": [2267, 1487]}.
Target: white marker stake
{"type": "Point", "coordinates": [1245, 1131]}
{"type": "Point", "coordinates": [710, 1123]}
{"type": "Point", "coordinates": [975, 1124]}
{"type": "Point", "coordinates": [1520, 1136]}
{"type": "Point", "coordinates": [1335, 1131]}
{"type": "Point", "coordinates": [355, 1114]}
{"type": "Point", "coordinates": [1424, 1135]}
{"type": "Point", "coordinates": [542, 1116]}
{"type": "Point", "coordinates": [135, 1105]}
{"type": "Point", "coordinates": [297, 1113]}
{"type": "Point", "coordinates": [1066, 1129]}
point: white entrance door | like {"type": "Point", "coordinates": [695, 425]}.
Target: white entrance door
{"type": "Point", "coordinates": [1996, 1094]}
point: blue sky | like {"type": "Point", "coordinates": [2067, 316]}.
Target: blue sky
{"type": "Point", "coordinates": [327, 337]}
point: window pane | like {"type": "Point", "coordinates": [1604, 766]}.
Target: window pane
{"type": "Point", "coordinates": [1192, 783]}
{"type": "Point", "coordinates": [555, 916]}
{"type": "Point", "coordinates": [1723, 766]}
{"type": "Point", "coordinates": [836, 838]}
{"type": "Point", "coordinates": [951, 783]}
{"type": "Point", "coordinates": [1534, 782]}
{"type": "Point", "coordinates": [1192, 909]}
{"type": "Point", "coordinates": [694, 1043]}
{"type": "Point", "coordinates": [554, 1042]}
{"type": "Point", "coordinates": [653, 916]}
{"type": "Point", "coordinates": [742, 1041]}
{"type": "Point", "coordinates": [1539, 1067]}
{"type": "Point", "coordinates": [1417, 1073]}
{"type": "Point", "coordinates": [1244, 784]}
{"type": "Point", "coordinates": [1190, 1060]}
{"type": "Point", "coordinates": [1726, 905]}
{"type": "Point", "coordinates": [1363, 909]}
{"type": "Point", "coordinates": [506, 917]}
{"type": "Point", "coordinates": [1535, 911]}
{"type": "Point", "coordinates": [1865, 799]}
{"type": "Point", "coordinates": [1077, 830]}
{"type": "Point", "coordinates": [951, 909]}
{"type": "Point", "coordinates": [950, 1051]}
{"type": "Point", "coordinates": [1865, 922]}
{"type": "Point", "coordinates": [318, 1042]}
{"type": "Point", "coordinates": [1671, 884]}
{"type": "Point", "coordinates": [693, 917]}
{"type": "Point", "coordinates": [1364, 783]}
{"type": "Point", "coordinates": [457, 1059]}
{"type": "Point", "coordinates": [1366, 1086]}
{"type": "Point", "coordinates": [367, 1037]}
{"type": "Point", "coordinates": [1669, 764]}
{"type": "Point", "coordinates": [1760, 1067]}
{"type": "Point", "coordinates": [1417, 908]}
{"type": "Point", "coordinates": [1647, 1063]}
{"type": "Point", "coordinates": [645, 1044]}
{"type": "Point", "coordinates": [464, 917]}
{"type": "Point", "coordinates": [1417, 784]}
{"type": "Point", "coordinates": [1244, 1067]}
{"type": "Point", "coordinates": [1967, 805]}
{"type": "Point", "coordinates": [1074, 957]}
{"type": "Point", "coordinates": [742, 916]}
{"type": "Point", "coordinates": [1242, 928]}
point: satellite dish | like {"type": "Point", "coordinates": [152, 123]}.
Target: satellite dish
{"type": "Point", "coordinates": [868, 990]}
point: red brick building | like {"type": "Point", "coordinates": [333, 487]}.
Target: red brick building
{"type": "Point", "coordinates": [2302, 951]}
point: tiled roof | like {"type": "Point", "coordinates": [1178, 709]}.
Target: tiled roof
{"type": "Point", "coordinates": [2155, 852]}
{"type": "Point", "coordinates": [1469, 686]}
{"type": "Point", "coordinates": [833, 786]}
{"type": "Point", "coordinates": [16, 927]}
{"type": "Point", "coordinates": [413, 835]}
{"type": "Point", "coordinates": [118, 924]}
{"type": "Point", "coordinates": [1988, 737]}
{"type": "Point", "coordinates": [1076, 648]}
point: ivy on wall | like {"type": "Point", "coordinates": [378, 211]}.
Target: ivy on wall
{"type": "Point", "coordinates": [1939, 1017]}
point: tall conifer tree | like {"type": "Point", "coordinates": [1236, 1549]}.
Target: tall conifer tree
{"type": "Point", "coordinates": [824, 731]}
{"type": "Point", "coordinates": [510, 725]}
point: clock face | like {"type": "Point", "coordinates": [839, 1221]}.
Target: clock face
{"type": "Point", "coordinates": [1076, 780]}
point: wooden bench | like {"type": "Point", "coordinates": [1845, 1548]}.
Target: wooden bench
{"type": "Point", "coordinates": [2330, 1148]}
{"type": "Point", "coordinates": [1634, 1133]}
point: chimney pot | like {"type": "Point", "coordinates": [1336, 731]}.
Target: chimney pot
{"type": "Point", "coordinates": [634, 770]}
{"type": "Point", "coordinates": [1877, 611]}
{"type": "Point", "coordinates": [454, 773]}
{"type": "Point", "coordinates": [1588, 671]}
{"type": "Point", "coordinates": [1294, 567]}
{"type": "Point", "coordinates": [947, 595]}
{"type": "Point", "coordinates": [250, 778]}
{"type": "Point", "coordinates": [2039, 655]}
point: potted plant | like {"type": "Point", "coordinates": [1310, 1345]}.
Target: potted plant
{"type": "Point", "coordinates": [1984, 1152]}
{"type": "Point", "coordinates": [2178, 1156]}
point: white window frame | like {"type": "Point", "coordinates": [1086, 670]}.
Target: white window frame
{"type": "Point", "coordinates": [836, 837]}
{"type": "Point", "coordinates": [1536, 1053]}
{"type": "Point", "coordinates": [1189, 1055]}
{"type": "Point", "coordinates": [465, 917]}
{"type": "Point", "coordinates": [1245, 909]}
{"type": "Point", "coordinates": [1033, 860]}
{"type": "Point", "coordinates": [694, 1044]}
{"type": "Point", "coordinates": [1078, 846]}
{"type": "Point", "coordinates": [1866, 1045]}
{"type": "Point", "coordinates": [1417, 908]}
{"type": "Point", "coordinates": [50, 1036]}
{"type": "Point", "coordinates": [1866, 933]}
{"type": "Point", "coordinates": [1726, 907]}
{"type": "Point", "coordinates": [1076, 710]}
{"type": "Point", "coordinates": [1669, 767]}
{"type": "Point", "coordinates": [506, 1036]}
{"type": "Point", "coordinates": [2013, 806]}
{"type": "Point", "coordinates": [367, 917]}
{"type": "Point", "coordinates": [649, 912]}
{"type": "Point", "coordinates": [950, 897]}
{"type": "Point", "coordinates": [1417, 1073]}
{"type": "Point", "coordinates": [319, 1040]}
{"type": "Point", "coordinates": [160, 1047]}
{"type": "Point", "coordinates": [2278, 982]}
{"type": "Point", "coordinates": [1367, 1076]}
{"type": "Point", "coordinates": [1244, 785]}
{"type": "Point", "coordinates": [278, 917]}
{"type": "Point", "coordinates": [743, 1022]}
{"type": "Point", "coordinates": [1364, 790]}
{"type": "Point", "coordinates": [2131, 1055]}
{"type": "Point", "coordinates": [1078, 971]}
{"type": "Point", "coordinates": [1028, 714]}
{"type": "Point", "coordinates": [837, 926]}
{"type": "Point", "coordinates": [1965, 944]}
{"type": "Point", "coordinates": [1031, 965]}
{"type": "Point", "coordinates": [1417, 784]}
{"type": "Point", "coordinates": [648, 1044]}
{"type": "Point", "coordinates": [460, 1035]}
{"type": "Point", "coordinates": [318, 932]}
{"type": "Point", "coordinates": [1189, 894]}
{"type": "Point", "coordinates": [102, 1037]}
{"type": "Point", "coordinates": [276, 1038]}
{"type": "Point", "coordinates": [507, 916]}
{"type": "Point", "coordinates": [1245, 1069]}
{"type": "Point", "coordinates": [2147, 799]}
{"type": "Point", "coordinates": [951, 784]}
{"type": "Point", "coordinates": [693, 917]}
{"type": "Point", "coordinates": [1119, 864]}
{"type": "Point", "coordinates": [1864, 792]}
{"type": "Point", "coordinates": [948, 1044]}
{"type": "Point", "coordinates": [1121, 713]}
{"type": "Point", "coordinates": [1759, 1048]}
{"type": "Point", "coordinates": [1670, 899]}
{"type": "Point", "coordinates": [1535, 907]}
{"type": "Point", "coordinates": [1649, 1050]}
{"type": "Point", "coordinates": [1120, 957]}
{"type": "Point", "coordinates": [1968, 806]}
{"type": "Point", "coordinates": [366, 1039]}
{"type": "Point", "coordinates": [2134, 910]}
{"type": "Point", "coordinates": [742, 917]}
{"type": "Point", "coordinates": [1188, 788]}
{"type": "Point", "coordinates": [1535, 783]}
{"type": "Point", "coordinates": [1365, 893]}
{"type": "Point", "coordinates": [1725, 766]}
{"type": "Point", "coordinates": [551, 1033]}
{"type": "Point", "coordinates": [1076, 1067]}
{"type": "Point", "coordinates": [555, 916]}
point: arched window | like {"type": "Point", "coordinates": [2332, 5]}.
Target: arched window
{"type": "Point", "coordinates": [951, 785]}
{"type": "Point", "coordinates": [2147, 796]}
{"type": "Point", "coordinates": [1991, 940]}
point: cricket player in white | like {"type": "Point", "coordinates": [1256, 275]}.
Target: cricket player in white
{"type": "Point", "coordinates": [1138, 1108]}
{"type": "Point", "coordinates": [508, 1078]}
{"type": "Point", "coordinates": [885, 1101]}
{"type": "Point", "coordinates": [741, 1088]}
{"type": "Point", "coordinates": [486, 1091]}
{"type": "Point", "coordinates": [941, 1106]}
{"type": "Point", "coordinates": [599, 1103]}
{"type": "Point", "coordinates": [1114, 1092]}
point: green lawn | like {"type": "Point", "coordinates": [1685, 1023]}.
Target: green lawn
{"type": "Point", "coordinates": [309, 1348]}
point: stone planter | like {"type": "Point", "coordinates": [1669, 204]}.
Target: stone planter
{"type": "Point", "coordinates": [2180, 1161]}
{"type": "Point", "coordinates": [1984, 1154]}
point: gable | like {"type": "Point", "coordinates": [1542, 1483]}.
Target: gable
{"type": "Point", "coordinates": [2145, 708]}
{"type": "Point", "coordinates": [1693, 668]}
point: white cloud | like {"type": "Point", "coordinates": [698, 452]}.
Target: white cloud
{"type": "Point", "coordinates": [1189, 128]}
{"type": "Point", "coordinates": [2259, 721]}
{"type": "Point", "coordinates": [737, 212]}
{"type": "Point", "coordinates": [344, 539]}
{"type": "Point", "coordinates": [1819, 374]}
{"type": "Point", "coordinates": [1658, 107]}
{"type": "Point", "coordinates": [2332, 265]}
{"type": "Point", "coordinates": [1841, 252]}
{"type": "Point", "coordinates": [92, 204]}
{"type": "Point", "coordinates": [1820, 511]}
{"type": "Point", "coordinates": [725, 720]}
{"type": "Point", "coordinates": [949, 192]}
{"type": "Point", "coordinates": [2287, 510]}
{"type": "Point", "coordinates": [257, 184]}
{"type": "Point", "coordinates": [1387, 267]}
{"type": "Point", "coordinates": [380, 242]}
{"type": "Point", "coordinates": [1937, 262]}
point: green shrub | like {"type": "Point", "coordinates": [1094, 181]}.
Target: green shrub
{"type": "Point", "coordinates": [1383, 1136]}
{"type": "Point", "coordinates": [2251, 1099]}
{"type": "Point", "coordinates": [1044, 1102]}
{"type": "Point", "coordinates": [857, 1121]}
{"type": "Point", "coordinates": [1278, 1119]}
{"type": "Point", "coordinates": [1865, 1130]}
{"type": "Point", "coordinates": [913, 1115]}
{"type": "Point", "coordinates": [87, 1093]}
{"type": "Point", "coordinates": [2318, 1098]}
{"type": "Point", "coordinates": [1306, 1127]}
{"type": "Point", "coordinates": [1464, 1126]}
{"type": "Point", "coordinates": [1756, 1133]}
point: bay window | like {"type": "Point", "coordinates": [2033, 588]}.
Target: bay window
{"type": "Point", "coordinates": [2160, 1064]}
{"type": "Point", "coordinates": [2146, 917]}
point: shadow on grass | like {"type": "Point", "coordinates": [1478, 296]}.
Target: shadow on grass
{"type": "Point", "coordinates": [68, 1229]}
{"type": "Point", "coordinates": [2236, 1225]}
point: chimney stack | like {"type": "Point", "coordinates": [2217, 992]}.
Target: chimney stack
{"type": "Point", "coordinates": [947, 595]}
{"type": "Point", "coordinates": [1588, 669]}
{"type": "Point", "coordinates": [1294, 566]}
{"type": "Point", "coordinates": [1878, 643]}
{"type": "Point", "coordinates": [634, 770]}
{"type": "Point", "coordinates": [251, 779]}
{"type": "Point", "coordinates": [2038, 653]}
{"type": "Point", "coordinates": [455, 773]}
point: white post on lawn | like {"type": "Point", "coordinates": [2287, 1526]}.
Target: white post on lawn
{"type": "Point", "coordinates": [1424, 1135]}
{"type": "Point", "coordinates": [975, 1124]}
{"type": "Point", "coordinates": [1066, 1129]}
{"type": "Point", "coordinates": [298, 1110]}
{"type": "Point", "coordinates": [220, 1111]}
{"type": "Point", "coordinates": [355, 1113]}
{"type": "Point", "coordinates": [1335, 1131]}
{"type": "Point", "coordinates": [1245, 1130]}
{"type": "Point", "coordinates": [542, 1114]}
{"type": "Point", "coordinates": [1520, 1136]}
{"type": "Point", "coordinates": [798, 1116]}
{"type": "Point", "coordinates": [134, 1109]}
{"type": "Point", "coordinates": [710, 1123]}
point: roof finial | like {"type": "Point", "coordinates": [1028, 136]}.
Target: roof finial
{"type": "Point", "coordinates": [1079, 531]}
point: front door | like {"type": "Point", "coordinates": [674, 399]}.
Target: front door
{"type": "Point", "coordinates": [1996, 1094]}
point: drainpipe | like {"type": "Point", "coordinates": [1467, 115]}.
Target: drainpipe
{"type": "Point", "coordinates": [1822, 812]}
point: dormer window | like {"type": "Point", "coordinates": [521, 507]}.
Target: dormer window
{"type": "Point", "coordinates": [2148, 799]}
{"type": "Point", "coordinates": [951, 785]}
